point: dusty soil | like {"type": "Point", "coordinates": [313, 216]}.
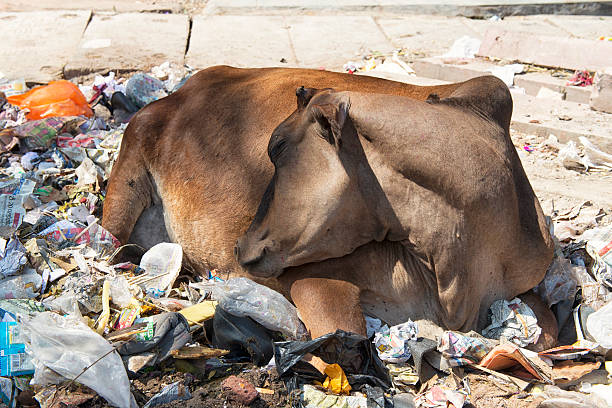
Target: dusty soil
{"type": "Point", "coordinates": [487, 392]}
{"type": "Point", "coordinates": [205, 387]}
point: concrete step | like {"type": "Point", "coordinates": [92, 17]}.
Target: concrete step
{"type": "Point", "coordinates": [532, 82]}
{"type": "Point", "coordinates": [467, 8]}
{"type": "Point", "coordinates": [566, 120]}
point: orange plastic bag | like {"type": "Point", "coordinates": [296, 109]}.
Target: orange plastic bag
{"type": "Point", "coordinates": [59, 98]}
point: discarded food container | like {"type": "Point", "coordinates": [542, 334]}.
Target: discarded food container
{"type": "Point", "coordinates": [13, 358]}
{"type": "Point", "coordinates": [59, 98]}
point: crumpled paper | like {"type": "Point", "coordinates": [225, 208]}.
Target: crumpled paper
{"type": "Point", "coordinates": [403, 374]}
{"type": "Point", "coordinates": [460, 350]}
{"type": "Point", "coordinates": [513, 320]}
{"type": "Point", "coordinates": [390, 342]}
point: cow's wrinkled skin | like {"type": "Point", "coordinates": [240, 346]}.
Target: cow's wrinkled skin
{"type": "Point", "coordinates": [437, 185]}
{"type": "Point", "coordinates": [193, 167]}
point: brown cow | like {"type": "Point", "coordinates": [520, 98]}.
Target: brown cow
{"type": "Point", "coordinates": [194, 166]}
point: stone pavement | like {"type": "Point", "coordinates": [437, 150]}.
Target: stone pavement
{"type": "Point", "coordinates": [127, 35]}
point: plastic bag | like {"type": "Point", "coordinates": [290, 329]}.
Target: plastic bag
{"type": "Point", "coordinates": [66, 345]}
{"type": "Point", "coordinates": [171, 392]}
{"type": "Point", "coordinates": [599, 246]}
{"type": "Point", "coordinates": [142, 89]}
{"type": "Point", "coordinates": [59, 98]}
{"type": "Point", "coordinates": [163, 260]}
{"type": "Point", "coordinates": [353, 352]}
{"type": "Point", "coordinates": [560, 282]}
{"type": "Point", "coordinates": [120, 291]}
{"type": "Point", "coordinates": [243, 297]}
{"type": "Point", "coordinates": [599, 325]}
{"type": "Point", "coordinates": [464, 47]}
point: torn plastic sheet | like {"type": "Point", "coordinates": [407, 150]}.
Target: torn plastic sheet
{"type": "Point", "coordinates": [353, 352]}
{"type": "Point", "coordinates": [513, 320]}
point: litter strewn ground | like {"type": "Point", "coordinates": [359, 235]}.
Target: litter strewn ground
{"type": "Point", "coordinates": [80, 329]}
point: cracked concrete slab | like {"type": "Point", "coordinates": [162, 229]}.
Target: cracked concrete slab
{"type": "Point", "coordinates": [330, 41]}
{"type": "Point", "coordinates": [426, 35]}
{"type": "Point", "coordinates": [120, 6]}
{"type": "Point", "coordinates": [37, 45]}
{"type": "Point", "coordinates": [130, 41]}
{"type": "Point", "coordinates": [241, 41]}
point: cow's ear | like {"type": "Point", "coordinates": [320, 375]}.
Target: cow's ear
{"type": "Point", "coordinates": [331, 117]}
{"type": "Point", "coordinates": [304, 95]}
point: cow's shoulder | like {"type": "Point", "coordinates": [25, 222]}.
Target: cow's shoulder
{"type": "Point", "coordinates": [487, 96]}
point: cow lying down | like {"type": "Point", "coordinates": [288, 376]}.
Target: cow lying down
{"type": "Point", "coordinates": [379, 200]}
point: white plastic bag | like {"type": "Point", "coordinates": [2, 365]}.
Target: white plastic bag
{"type": "Point", "coordinates": [66, 345]}
{"type": "Point", "coordinates": [243, 297]}
{"type": "Point", "coordinates": [163, 260]}
{"type": "Point", "coordinates": [464, 47]}
{"type": "Point", "coordinates": [599, 325]}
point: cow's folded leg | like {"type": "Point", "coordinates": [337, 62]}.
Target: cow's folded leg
{"type": "Point", "coordinates": [129, 190]}
{"type": "Point", "coordinates": [326, 305]}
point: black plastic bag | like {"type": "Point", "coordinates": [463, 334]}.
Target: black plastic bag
{"type": "Point", "coordinates": [353, 352]}
{"type": "Point", "coordinates": [242, 336]}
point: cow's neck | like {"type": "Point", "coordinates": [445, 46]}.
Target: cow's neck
{"type": "Point", "coordinates": [401, 198]}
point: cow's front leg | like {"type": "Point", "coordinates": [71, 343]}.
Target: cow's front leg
{"type": "Point", "coordinates": [326, 305]}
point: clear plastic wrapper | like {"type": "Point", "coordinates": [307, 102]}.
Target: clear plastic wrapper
{"type": "Point", "coordinates": [243, 297]}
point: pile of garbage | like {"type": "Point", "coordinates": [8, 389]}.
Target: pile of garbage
{"type": "Point", "coordinates": [77, 325]}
